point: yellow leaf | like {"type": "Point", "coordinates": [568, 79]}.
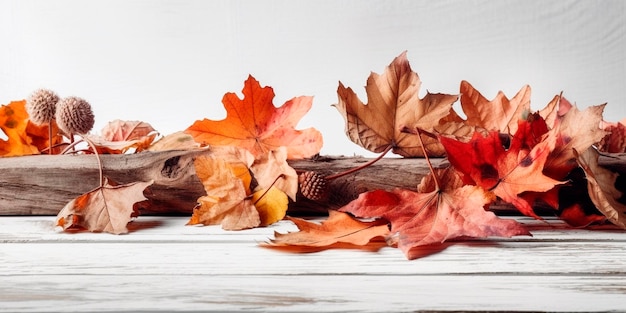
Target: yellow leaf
{"type": "Point", "coordinates": [271, 204]}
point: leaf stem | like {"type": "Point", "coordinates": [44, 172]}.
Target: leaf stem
{"type": "Point", "coordinates": [430, 166]}
{"type": "Point", "coordinates": [95, 151]}
{"type": "Point", "coordinates": [352, 170]}
{"type": "Point", "coordinates": [50, 137]}
{"type": "Point", "coordinates": [268, 188]}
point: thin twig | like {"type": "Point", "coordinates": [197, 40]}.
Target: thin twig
{"type": "Point", "coordinates": [350, 171]}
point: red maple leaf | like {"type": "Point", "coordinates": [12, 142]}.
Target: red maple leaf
{"type": "Point", "coordinates": [419, 220]}
{"type": "Point", "coordinates": [484, 161]}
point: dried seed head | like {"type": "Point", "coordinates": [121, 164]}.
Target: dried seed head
{"type": "Point", "coordinates": [41, 106]}
{"type": "Point", "coordinates": [314, 186]}
{"type": "Point", "coordinates": [74, 116]}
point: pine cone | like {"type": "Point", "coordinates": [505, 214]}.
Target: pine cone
{"type": "Point", "coordinates": [314, 186]}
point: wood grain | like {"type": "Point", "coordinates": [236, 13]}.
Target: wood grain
{"type": "Point", "coordinates": [163, 265]}
{"type": "Point", "coordinates": [43, 184]}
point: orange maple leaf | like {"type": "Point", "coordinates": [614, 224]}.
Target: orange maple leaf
{"type": "Point", "coordinates": [13, 122]}
{"type": "Point", "coordinates": [500, 114]}
{"type": "Point", "coordinates": [255, 124]}
{"type": "Point", "coordinates": [105, 209]}
{"type": "Point", "coordinates": [393, 104]}
{"type": "Point", "coordinates": [340, 230]}
{"type": "Point", "coordinates": [419, 220]}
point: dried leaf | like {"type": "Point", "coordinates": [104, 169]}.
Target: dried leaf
{"type": "Point", "coordinates": [500, 114]}
{"type": "Point", "coordinates": [393, 104]}
{"type": "Point", "coordinates": [175, 141]}
{"type": "Point", "coordinates": [271, 204]}
{"type": "Point", "coordinates": [576, 130]}
{"type": "Point", "coordinates": [120, 136]}
{"type": "Point", "coordinates": [424, 219]}
{"type": "Point", "coordinates": [339, 230]}
{"type": "Point", "coordinates": [601, 186]}
{"type": "Point", "coordinates": [253, 123]}
{"type": "Point", "coordinates": [615, 140]}
{"type": "Point", "coordinates": [272, 165]}
{"type": "Point", "coordinates": [227, 202]}
{"type": "Point", "coordinates": [104, 209]}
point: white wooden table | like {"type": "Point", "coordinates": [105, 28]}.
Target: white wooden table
{"type": "Point", "coordinates": [163, 265]}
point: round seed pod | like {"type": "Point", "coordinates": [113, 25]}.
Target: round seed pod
{"type": "Point", "coordinates": [314, 186]}
{"type": "Point", "coordinates": [41, 106]}
{"type": "Point", "coordinates": [74, 116]}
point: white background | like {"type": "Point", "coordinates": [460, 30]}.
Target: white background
{"type": "Point", "coordinates": [170, 62]}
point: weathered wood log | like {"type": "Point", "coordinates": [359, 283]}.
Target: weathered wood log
{"type": "Point", "coordinates": [43, 184]}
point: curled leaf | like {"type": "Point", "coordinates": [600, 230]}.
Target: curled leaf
{"type": "Point", "coordinates": [601, 186]}
{"type": "Point", "coordinates": [339, 230]}
{"type": "Point", "coordinates": [120, 136]}
{"type": "Point", "coordinates": [105, 209]}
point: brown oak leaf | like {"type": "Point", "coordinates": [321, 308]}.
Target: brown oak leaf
{"type": "Point", "coordinates": [255, 124]}
{"type": "Point", "coordinates": [393, 104]}
{"type": "Point", "coordinates": [105, 209]}
{"type": "Point", "coordinates": [340, 230]}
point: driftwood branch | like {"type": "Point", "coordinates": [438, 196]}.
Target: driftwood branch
{"type": "Point", "coordinates": [43, 184]}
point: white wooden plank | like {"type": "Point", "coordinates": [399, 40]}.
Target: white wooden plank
{"type": "Point", "coordinates": [165, 228]}
{"type": "Point", "coordinates": [164, 265]}
{"type": "Point", "coordinates": [320, 293]}
{"type": "Point", "coordinates": [153, 258]}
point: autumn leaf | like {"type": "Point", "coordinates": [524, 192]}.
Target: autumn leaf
{"type": "Point", "coordinates": [174, 141]}
{"type": "Point", "coordinates": [575, 130]}
{"type": "Point", "coordinates": [574, 206]}
{"type": "Point", "coordinates": [105, 209]}
{"type": "Point", "coordinates": [40, 134]}
{"type": "Point", "coordinates": [601, 186]}
{"type": "Point", "coordinates": [272, 165]}
{"type": "Point", "coordinates": [255, 124]}
{"type": "Point", "coordinates": [13, 122]}
{"type": "Point", "coordinates": [423, 219]}
{"type": "Point", "coordinates": [227, 202]}
{"type": "Point", "coordinates": [120, 136]}
{"type": "Point", "coordinates": [500, 114]}
{"type": "Point", "coordinates": [340, 230]}
{"type": "Point", "coordinates": [615, 140]}
{"type": "Point", "coordinates": [227, 175]}
{"type": "Point", "coordinates": [393, 104]}
{"type": "Point", "coordinates": [485, 162]}
{"type": "Point", "coordinates": [271, 204]}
